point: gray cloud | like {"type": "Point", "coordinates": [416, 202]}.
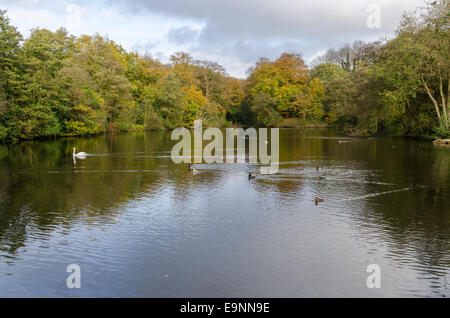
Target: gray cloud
{"type": "Point", "coordinates": [234, 33]}
{"type": "Point", "coordinates": [252, 28]}
{"type": "Point", "coordinates": [182, 35]}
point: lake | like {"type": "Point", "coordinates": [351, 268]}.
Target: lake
{"type": "Point", "coordinates": [139, 225]}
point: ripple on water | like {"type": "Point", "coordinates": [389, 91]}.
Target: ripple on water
{"type": "Point", "coordinates": [132, 216]}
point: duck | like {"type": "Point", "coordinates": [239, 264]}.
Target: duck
{"type": "Point", "coordinates": [191, 167]}
{"type": "Point", "coordinates": [80, 155]}
{"type": "Point", "coordinates": [251, 175]}
{"type": "Point", "coordinates": [318, 200]}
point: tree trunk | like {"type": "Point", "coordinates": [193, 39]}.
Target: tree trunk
{"type": "Point", "coordinates": [444, 105]}
{"type": "Point", "coordinates": [436, 106]}
{"type": "Point", "coordinates": [448, 97]}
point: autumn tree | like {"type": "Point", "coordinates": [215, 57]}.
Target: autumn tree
{"type": "Point", "coordinates": [284, 86]}
{"type": "Point", "coordinates": [105, 62]}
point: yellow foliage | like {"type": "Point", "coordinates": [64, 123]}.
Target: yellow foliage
{"type": "Point", "coordinates": [82, 108]}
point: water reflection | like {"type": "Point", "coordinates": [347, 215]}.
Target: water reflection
{"type": "Point", "coordinates": [128, 215]}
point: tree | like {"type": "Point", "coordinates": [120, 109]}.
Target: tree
{"type": "Point", "coordinates": [210, 76]}
{"type": "Point", "coordinates": [143, 73]}
{"type": "Point", "coordinates": [11, 70]}
{"type": "Point", "coordinates": [44, 53]}
{"type": "Point", "coordinates": [168, 100]}
{"type": "Point", "coordinates": [105, 62]}
{"type": "Point", "coordinates": [11, 73]}
{"type": "Point", "coordinates": [333, 78]}
{"type": "Point", "coordinates": [232, 98]}
{"type": "Point", "coordinates": [351, 56]}
{"type": "Point", "coordinates": [265, 108]}
{"type": "Point", "coordinates": [284, 86]}
{"type": "Point", "coordinates": [416, 63]}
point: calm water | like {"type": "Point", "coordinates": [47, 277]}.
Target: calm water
{"type": "Point", "coordinates": [139, 225]}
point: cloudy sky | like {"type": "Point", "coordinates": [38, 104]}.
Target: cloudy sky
{"type": "Point", "coordinates": [234, 33]}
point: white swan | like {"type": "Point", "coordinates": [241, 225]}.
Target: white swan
{"type": "Point", "coordinates": [80, 155]}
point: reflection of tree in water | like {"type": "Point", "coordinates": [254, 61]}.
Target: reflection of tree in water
{"type": "Point", "coordinates": [415, 227]}
{"type": "Point", "coordinates": [282, 187]}
{"type": "Point", "coordinates": [40, 188]}
{"type": "Point", "coordinates": [414, 224]}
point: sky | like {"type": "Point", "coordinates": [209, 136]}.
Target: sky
{"type": "Point", "coordinates": [233, 33]}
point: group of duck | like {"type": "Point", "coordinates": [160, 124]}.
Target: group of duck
{"type": "Point", "coordinates": [191, 167]}
{"type": "Point", "coordinates": [253, 175]}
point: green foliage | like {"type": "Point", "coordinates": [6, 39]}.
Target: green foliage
{"type": "Point", "coordinates": [11, 69]}
{"type": "Point", "coordinates": [283, 89]}
{"type": "Point", "coordinates": [34, 121]}
{"type": "Point", "coordinates": [327, 72]}
{"type": "Point", "coordinates": [400, 86]}
{"type": "Point", "coordinates": [265, 108]}
{"type": "Point", "coordinates": [3, 133]}
{"type": "Point", "coordinates": [168, 100]}
{"type": "Point", "coordinates": [442, 131]}
{"type": "Point", "coordinates": [53, 84]}
{"type": "Point", "coordinates": [77, 128]}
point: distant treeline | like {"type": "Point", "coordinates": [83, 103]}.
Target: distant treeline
{"type": "Point", "coordinates": [55, 84]}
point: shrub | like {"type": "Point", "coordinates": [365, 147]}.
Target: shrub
{"type": "Point", "coordinates": [442, 131]}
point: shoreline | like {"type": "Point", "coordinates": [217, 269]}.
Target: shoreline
{"type": "Point", "coordinates": [440, 142]}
